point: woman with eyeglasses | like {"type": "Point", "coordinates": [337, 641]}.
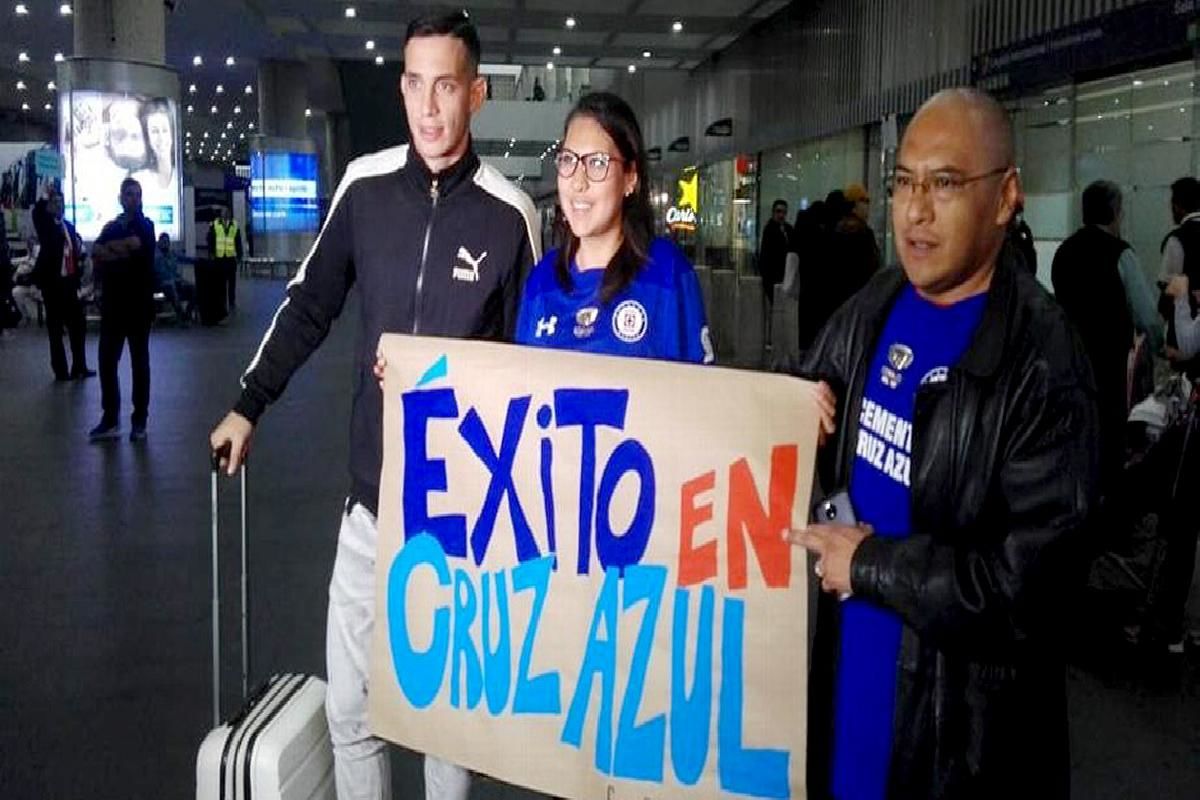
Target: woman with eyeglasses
{"type": "Point", "coordinates": [613, 287]}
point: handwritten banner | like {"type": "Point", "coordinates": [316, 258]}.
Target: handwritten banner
{"type": "Point", "coordinates": [583, 582]}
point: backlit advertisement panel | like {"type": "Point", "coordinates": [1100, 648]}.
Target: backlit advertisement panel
{"type": "Point", "coordinates": [283, 191]}
{"type": "Point", "coordinates": [109, 136]}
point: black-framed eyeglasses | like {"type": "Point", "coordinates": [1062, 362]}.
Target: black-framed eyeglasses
{"type": "Point", "coordinates": [943, 187]}
{"type": "Point", "coordinates": [595, 165]}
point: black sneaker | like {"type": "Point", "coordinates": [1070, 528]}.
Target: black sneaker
{"type": "Point", "coordinates": [137, 432]}
{"type": "Point", "coordinates": [105, 430]}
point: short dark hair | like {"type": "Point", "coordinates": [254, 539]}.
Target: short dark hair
{"type": "Point", "coordinates": [457, 24]}
{"type": "Point", "coordinates": [778, 203]}
{"type": "Point", "coordinates": [1101, 203]}
{"type": "Point", "coordinates": [130, 182]}
{"type": "Point", "coordinates": [1185, 193]}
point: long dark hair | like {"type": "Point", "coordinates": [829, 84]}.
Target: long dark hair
{"type": "Point", "coordinates": [637, 219]}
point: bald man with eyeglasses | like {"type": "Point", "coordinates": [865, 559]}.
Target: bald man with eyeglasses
{"type": "Point", "coordinates": [960, 442]}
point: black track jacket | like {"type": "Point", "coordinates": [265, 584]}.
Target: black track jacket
{"type": "Point", "coordinates": [437, 255]}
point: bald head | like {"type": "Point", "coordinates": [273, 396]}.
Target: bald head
{"type": "Point", "coordinates": [957, 190]}
{"type": "Point", "coordinates": [979, 116]}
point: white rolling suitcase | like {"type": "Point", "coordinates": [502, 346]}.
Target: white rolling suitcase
{"type": "Point", "coordinates": [277, 746]}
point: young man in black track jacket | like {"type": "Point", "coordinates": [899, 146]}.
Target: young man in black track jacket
{"type": "Point", "coordinates": [436, 244]}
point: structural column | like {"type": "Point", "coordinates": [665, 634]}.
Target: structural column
{"type": "Point", "coordinates": [283, 98]}
{"type": "Point", "coordinates": [128, 30]}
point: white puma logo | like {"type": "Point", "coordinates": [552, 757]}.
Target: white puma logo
{"type": "Point", "coordinates": [468, 275]}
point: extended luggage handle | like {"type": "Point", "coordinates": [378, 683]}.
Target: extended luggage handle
{"type": "Point", "coordinates": [215, 459]}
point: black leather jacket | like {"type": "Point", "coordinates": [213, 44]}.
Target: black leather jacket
{"type": "Point", "coordinates": [1004, 476]}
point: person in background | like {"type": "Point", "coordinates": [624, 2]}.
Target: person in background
{"type": "Point", "coordinates": [225, 249]}
{"type": "Point", "coordinates": [772, 257]}
{"type": "Point", "coordinates": [855, 253]}
{"type": "Point", "coordinates": [124, 257]}
{"type": "Point", "coordinates": [176, 291]}
{"type": "Point", "coordinates": [613, 287]}
{"type": "Point", "coordinates": [812, 238]}
{"type": "Point", "coordinates": [1187, 324]}
{"type": "Point", "coordinates": [57, 274]}
{"type": "Point", "coordinates": [1021, 238]}
{"type": "Point", "coordinates": [10, 315]}
{"type": "Point", "coordinates": [1181, 256]}
{"type": "Point", "coordinates": [1100, 285]}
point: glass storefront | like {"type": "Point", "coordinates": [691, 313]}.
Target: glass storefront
{"type": "Point", "coordinates": [1136, 129]}
{"type": "Point", "coordinates": [804, 173]}
{"type": "Point", "coordinates": [726, 230]}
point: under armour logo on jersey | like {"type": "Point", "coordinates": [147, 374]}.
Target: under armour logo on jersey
{"type": "Point", "coordinates": [545, 327]}
{"type": "Point", "coordinates": [470, 272]}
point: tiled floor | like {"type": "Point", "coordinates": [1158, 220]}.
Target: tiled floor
{"type": "Point", "coordinates": [104, 580]}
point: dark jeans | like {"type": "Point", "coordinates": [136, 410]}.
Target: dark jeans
{"type": "Point", "coordinates": [116, 327]}
{"type": "Point", "coordinates": [63, 310]}
{"type": "Point", "coordinates": [228, 271]}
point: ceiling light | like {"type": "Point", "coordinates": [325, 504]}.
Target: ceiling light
{"type": "Point", "coordinates": [23, 57]}
{"type": "Point", "coordinates": [65, 9]}
{"type": "Point", "coordinates": [222, 134]}
{"type": "Point", "coordinates": [21, 10]}
{"type": "Point", "coordinates": [248, 90]}
{"type": "Point", "coordinates": [676, 27]}
{"type": "Point", "coordinates": [48, 107]}
{"type": "Point", "coordinates": [550, 65]}
{"type": "Point", "coordinates": [220, 89]}
{"type": "Point", "coordinates": [188, 135]}
{"type": "Point", "coordinates": [250, 127]}
{"type": "Point", "coordinates": [192, 89]}
{"type": "Point", "coordinates": [58, 58]}
{"type": "Point", "coordinates": [370, 44]}
{"type": "Point", "coordinates": [212, 110]}
{"type": "Point", "coordinates": [205, 136]}
{"type": "Point", "coordinates": [632, 68]}
{"type": "Point", "coordinates": [570, 22]}
{"type": "Point", "coordinates": [237, 109]}
{"type": "Point", "coordinates": [241, 136]}
{"type": "Point", "coordinates": [308, 112]}
{"type": "Point", "coordinates": [197, 61]}
{"type": "Point", "coordinates": [20, 86]}
{"type": "Point", "coordinates": [1138, 82]}
{"type": "Point", "coordinates": [379, 61]}
{"type": "Point", "coordinates": [24, 106]}
{"type": "Point", "coordinates": [51, 87]}
{"type": "Point", "coordinates": [557, 50]}
{"type": "Point", "coordinates": [191, 108]}
{"type": "Point", "coordinates": [646, 54]}
{"type": "Point", "coordinates": [351, 13]}
{"type": "Point", "coordinates": [230, 61]}
{"type": "Point", "coordinates": [229, 125]}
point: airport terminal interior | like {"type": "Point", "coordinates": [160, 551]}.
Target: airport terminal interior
{"type": "Point", "coordinates": [244, 115]}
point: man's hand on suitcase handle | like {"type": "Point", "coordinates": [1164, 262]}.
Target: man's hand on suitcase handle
{"type": "Point", "coordinates": [230, 442]}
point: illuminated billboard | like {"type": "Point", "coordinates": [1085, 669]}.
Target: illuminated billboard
{"type": "Point", "coordinates": [283, 191]}
{"type": "Point", "coordinates": [106, 137]}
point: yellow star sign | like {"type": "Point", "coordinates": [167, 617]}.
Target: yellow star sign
{"type": "Point", "coordinates": [689, 192]}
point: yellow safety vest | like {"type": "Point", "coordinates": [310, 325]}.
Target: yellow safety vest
{"type": "Point", "coordinates": [226, 239]}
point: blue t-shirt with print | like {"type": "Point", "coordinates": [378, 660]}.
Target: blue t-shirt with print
{"type": "Point", "coordinates": [659, 315]}
{"type": "Point", "coordinates": [921, 341]}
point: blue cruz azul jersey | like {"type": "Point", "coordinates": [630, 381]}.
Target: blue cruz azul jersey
{"type": "Point", "coordinates": [921, 342]}
{"type": "Point", "coordinates": [659, 315]}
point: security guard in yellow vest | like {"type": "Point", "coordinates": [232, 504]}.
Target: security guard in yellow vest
{"type": "Point", "coordinates": [225, 245]}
